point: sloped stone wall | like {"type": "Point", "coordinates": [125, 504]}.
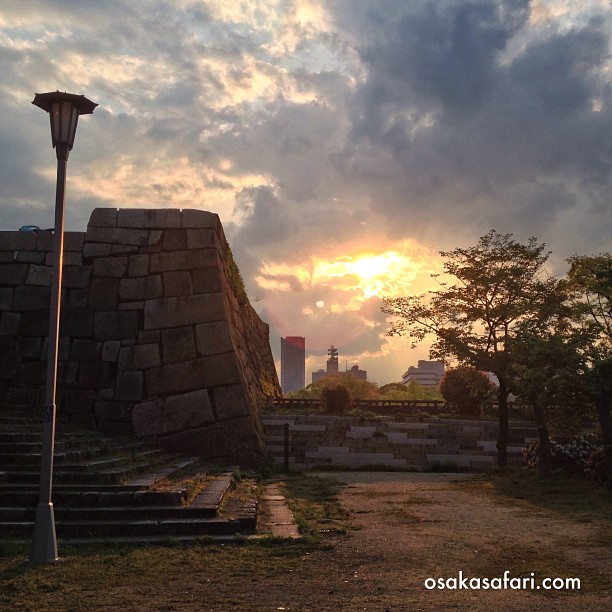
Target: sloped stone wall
{"type": "Point", "coordinates": [158, 339]}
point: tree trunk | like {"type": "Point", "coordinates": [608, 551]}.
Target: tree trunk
{"type": "Point", "coordinates": [502, 437]}
{"type": "Point", "coordinates": [605, 423]}
{"type": "Point", "coordinates": [544, 463]}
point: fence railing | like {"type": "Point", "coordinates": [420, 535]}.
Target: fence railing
{"type": "Point", "coordinates": [387, 406]}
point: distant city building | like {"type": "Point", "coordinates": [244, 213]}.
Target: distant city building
{"type": "Point", "coordinates": [427, 373]}
{"type": "Point", "coordinates": [293, 363]}
{"type": "Point", "coordinates": [333, 370]}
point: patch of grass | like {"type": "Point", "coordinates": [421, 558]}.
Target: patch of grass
{"type": "Point", "coordinates": [314, 503]}
{"type": "Point", "coordinates": [574, 498]}
{"type": "Point", "coordinates": [150, 577]}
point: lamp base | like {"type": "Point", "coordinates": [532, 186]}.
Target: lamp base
{"type": "Point", "coordinates": [44, 540]}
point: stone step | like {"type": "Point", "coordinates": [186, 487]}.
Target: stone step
{"type": "Point", "coordinates": [136, 492]}
{"type": "Point", "coordinates": [131, 521]}
{"type": "Point", "coordinates": [73, 455]}
{"type": "Point", "coordinates": [128, 470]}
{"type": "Point", "coordinates": [194, 527]}
{"type": "Point", "coordinates": [35, 436]}
{"type": "Point", "coordinates": [109, 513]}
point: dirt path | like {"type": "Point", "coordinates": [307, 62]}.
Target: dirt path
{"type": "Point", "coordinates": [411, 527]}
{"type": "Point", "coordinates": [403, 530]}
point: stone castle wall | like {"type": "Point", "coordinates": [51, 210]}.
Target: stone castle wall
{"type": "Point", "coordinates": [404, 443]}
{"type": "Point", "coordinates": [157, 337]}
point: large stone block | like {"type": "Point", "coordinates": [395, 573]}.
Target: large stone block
{"type": "Point", "coordinates": [94, 375]}
{"type": "Point", "coordinates": [13, 274]}
{"type": "Point", "coordinates": [96, 249]}
{"type": "Point", "coordinates": [205, 238]}
{"type": "Point", "coordinates": [8, 366]}
{"type": "Point", "coordinates": [192, 218]}
{"type": "Point", "coordinates": [213, 338]}
{"type": "Point", "coordinates": [73, 241]}
{"type": "Point", "coordinates": [139, 265]}
{"type": "Point", "coordinates": [192, 375]}
{"type": "Point", "coordinates": [178, 344]}
{"type": "Point", "coordinates": [32, 373]}
{"type": "Point", "coordinates": [129, 386]}
{"type": "Point", "coordinates": [174, 240]}
{"type": "Point", "coordinates": [157, 218]}
{"type": "Point", "coordinates": [116, 325]}
{"type": "Point", "coordinates": [34, 323]}
{"type": "Point", "coordinates": [18, 241]}
{"type": "Point", "coordinates": [147, 418]}
{"type": "Point", "coordinates": [31, 257]}
{"type": "Point", "coordinates": [31, 297]}
{"type": "Point", "coordinates": [103, 217]}
{"type": "Point", "coordinates": [183, 310]}
{"type": "Point", "coordinates": [39, 275]}
{"type": "Point", "coordinates": [7, 345]}
{"type": "Point", "coordinates": [104, 293]}
{"type": "Point", "coordinates": [177, 282]}
{"type": "Point", "coordinates": [112, 411]}
{"type": "Point", "coordinates": [139, 357]}
{"type": "Point", "coordinates": [124, 249]}
{"type": "Point", "coordinates": [76, 277]}
{"type": "Point", "coordinates": [111, 266]}
{"type": "Point", "coordinates": [76, 323]}
{"type": "Point", "coordinates": [10, 323]}
{"type": "Point", "coordinates": [117, 235]}
{"type": "Point", "coordinates": [44, 241]}
{"type": "Point", "coordinates": [6, 298]}
{"type": "Point", "coordinates": [230, 402]}
{"type": "Point", "coordinates": [85, 350]}
{"type": "Point", "coordinates": [206, 280]}
{"type": "Point", "coordinates": [28, 346]}
{"type": "Point", "coordinates": [79, 401]}
{"type": "Point", "coordinates": [183, 260]}
{"type": "Point", "coordinates": [110, 350]}
{"type": "Point", "coordinates": [140, 288]}
{"type": "Point", "coordinates": [187, 411]}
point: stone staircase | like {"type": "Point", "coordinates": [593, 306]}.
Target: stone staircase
{"type": "Point", "coordinates": [105, 488]}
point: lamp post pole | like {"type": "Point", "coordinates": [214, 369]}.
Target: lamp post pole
{"type": "Point", "coordinates": [64, 110]}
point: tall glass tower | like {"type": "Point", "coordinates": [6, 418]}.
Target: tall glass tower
{"type": "Point", "coordinates": [293, 363]}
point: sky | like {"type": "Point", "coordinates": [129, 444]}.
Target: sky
{"type": "Point", "coordinates": [343, 143]}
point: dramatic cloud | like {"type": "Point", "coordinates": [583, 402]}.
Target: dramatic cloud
{"type": "Point", "coordinates": [342, 143]}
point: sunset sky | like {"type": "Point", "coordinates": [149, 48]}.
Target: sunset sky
{"type": "Point", "coordinates": [343, 143]}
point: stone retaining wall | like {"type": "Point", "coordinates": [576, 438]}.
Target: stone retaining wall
{"type": "Point", "coordinates": [158, 339]}
{"type": "Point", "coordinates": [409, 443]}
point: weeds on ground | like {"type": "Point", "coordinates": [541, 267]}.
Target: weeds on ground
{"type": "Point", "coordinates": [314, 503]}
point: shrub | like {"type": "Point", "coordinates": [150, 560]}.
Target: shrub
{"type": "Point", "coordinates": [337, 399]}
{"type": "Point", "coordinates": [582, 455]}
{"type": "Point", "coordinates": [467, 389]}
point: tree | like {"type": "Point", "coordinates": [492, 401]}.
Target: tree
{"type": "Point", "coordinates": [337, 399]}
{"type": "Point", "coordinates": [467, 389]}
{"type": "Point", "coordinates": [393, 388]}
{"type": "Point", "coordinates": [493, 288]}
{"type": "Point", "coordinates": [546, 376]}
{"type": "Point", "coordinates": [590, 286]}
{"type": "Point", "coordinates": [357, 387]}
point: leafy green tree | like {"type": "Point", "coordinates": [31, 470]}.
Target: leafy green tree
{"type": "Point", "coordinates": [336, 398]}
{"type": "Point", "coordinates": [391, 388]}
{"type": "Point", "coordinates": [546, 375]}
{"type": "Point", "coordinates": [357, 388]}
{"type": "Point", "coordinates": [590, 286]}
{"type": "Point", "coordinates": [467, 389]}
{"type": "Point", "coordinates": [492, 288]}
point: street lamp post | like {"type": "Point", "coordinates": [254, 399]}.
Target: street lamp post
{"type": "Point", "coordinates": [64, 110]}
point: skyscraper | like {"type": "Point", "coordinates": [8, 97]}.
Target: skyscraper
{"type": "Point", "coordinates": [293, 363]}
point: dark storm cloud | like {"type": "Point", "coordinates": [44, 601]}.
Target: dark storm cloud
{"type": "Point", "coordinates": [478, 129]}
